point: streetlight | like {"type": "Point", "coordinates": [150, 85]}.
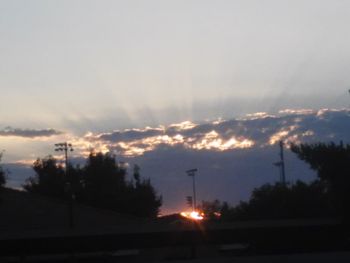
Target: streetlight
{"type": "Point", "coordinates": [65, 147]}
{"type": "Point", "coordinates": [192, 173]}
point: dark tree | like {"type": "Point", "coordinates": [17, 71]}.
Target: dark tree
{"type": "Point", "coordinates": [104, 182]}
{"type": "Point", "coordinates": [2, 174]}
{"type": "Point", "coordinates": [101, 183]}
{"type": "Point", "coordinates": [145, 202]}
{"type": "Point", "coordinates": [225, 211]}
{"type": "Point", "coordinates": [49, 178]}
{"type": "Point", "coordinates": [332, 163]}
{"type": "Point", "coordinates": [105, 186]}
{"type": "Point", "coordinates": [75, 180]}
{"type": "Point", "coordinates": [136, 174]}
{"type": "Point", "coordinates": [279, 201]}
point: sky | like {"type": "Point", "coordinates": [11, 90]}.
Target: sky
{"type": "Point", "coordinates": [73, 70]}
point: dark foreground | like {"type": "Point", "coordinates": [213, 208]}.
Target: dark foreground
{"type": "Point", "coordinates": [320, 257]}
{"type": "Point", "coordinates": [257, 241]}
{"type": "Point", "coordinates": [37, 229]}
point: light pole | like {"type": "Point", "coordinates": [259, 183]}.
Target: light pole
{"type": "Point", "coordinates": [65, 147]}
{"type": "Point", "coordinates": [280, 164]}
{"type": "Point", "coordinates": [192, 173]}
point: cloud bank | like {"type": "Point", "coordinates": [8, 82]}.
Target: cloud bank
{"type": "Point", "coordinates": [232, 156]}
{"type": "Point", "coordinates": [257, 130]}
{"type": "Point", "coordinates": [28, 133]}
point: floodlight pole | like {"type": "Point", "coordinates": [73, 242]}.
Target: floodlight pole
{"type": "Point", "coordinates": [192, 174]}
{"type": "Point", "coordinates": [65, 147]}
{"type": "Point", "coordinates": [283, 172]}
{"type": "Point", "coordinates": [281, 165]}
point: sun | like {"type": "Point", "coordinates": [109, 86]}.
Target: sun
{"type": "Point", "coordinates": [194, 215]}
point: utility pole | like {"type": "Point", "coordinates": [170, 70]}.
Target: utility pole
{"type": "Point", "coordinates": [65, 147]}
{"type": "Point", "coordinates": [192, 173]}
{"type": "Point", "coordinates": [189, 201]}
{"type": "Point", "coordinates": [283, 172]}
{"type": "Point", "coordinates": [281, 165]}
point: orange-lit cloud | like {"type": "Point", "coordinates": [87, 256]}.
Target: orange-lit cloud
{"type": "Point", "coordinates": [258, 115]}
{"type": "Point", "coordinates": [186, 125]}
{"type": "Point", "coordinates": [218, 135]}
{"type": "Point", "coordinates": [284, 134]}
{"type": "Point", "coordinates": [297, 111]}
{"type": "Point", "coordinates": [135, 142]}
{"type": "Point", "coordinates": [213, 141]}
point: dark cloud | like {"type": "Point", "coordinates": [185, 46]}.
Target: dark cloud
{"type": "Point", "coordinates": [130, 135]}
{"type": "Point", "coordinates": [28, 133]}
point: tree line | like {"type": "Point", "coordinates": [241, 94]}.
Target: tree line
{"type": "Point", "coordinates": [2, 177]}
{"type": "Point", "coordinates": [101, 182]}
{"type": "Point", "coordinates": [2, 174]}
{"type": "Point", "coordinates": [327, 196]}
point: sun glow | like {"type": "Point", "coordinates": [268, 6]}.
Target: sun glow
{"type": "Point", "coordinates": [194, 215]}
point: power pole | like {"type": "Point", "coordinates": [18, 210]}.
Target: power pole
{"type": "Point", "coordinates": [281, 165]}
{"type": "Point", "coordinates": [283, 172]}
{"type": "Point", "coordinates": [189, 201]}
{"type": "Point", "coordinates": [192, 173]}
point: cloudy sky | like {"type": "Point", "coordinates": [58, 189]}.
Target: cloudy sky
{"type": "Point", "coordinates": [85, 71]}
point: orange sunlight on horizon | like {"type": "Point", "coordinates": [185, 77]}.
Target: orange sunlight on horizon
{"type": "Point", "coordinates": [193, 215]}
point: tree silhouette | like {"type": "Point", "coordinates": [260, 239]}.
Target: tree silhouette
{"type": "Point", "coordinates": [104, 180]}
{"type": "Point", "coordinates": [279, 201]}
{"type": "Point", "coordinates": [2, 174]}
{"type": "Point", "coordinates": [101, 183]}
{"type": "Point", "coordinates": [49, 178]}
{"type": "Point", "coordinates": [145, 201]}
{"type": "Point", "coordinates": [332, 163]}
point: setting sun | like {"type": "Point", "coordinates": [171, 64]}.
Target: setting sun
{"type": "Point", "coordinates": [194, 215]}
